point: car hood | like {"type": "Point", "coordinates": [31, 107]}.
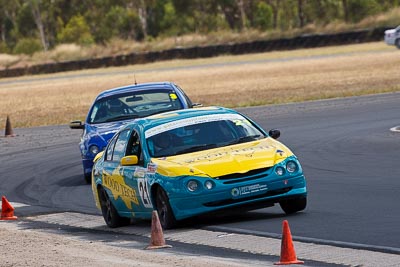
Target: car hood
{"type": "Point", "coordinates": [105, 131]}
{"type": "Point", "coordinates": [216, 162]}
{"type": "Point", "coordinates": [390, 31]}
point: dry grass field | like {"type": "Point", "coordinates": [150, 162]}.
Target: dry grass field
{"type": "Point", "coordinates": [246, 80]}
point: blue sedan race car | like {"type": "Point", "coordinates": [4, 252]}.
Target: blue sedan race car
{"type": "Point", "coordinates": [190, 162]}
{"type": "Point", "coordinates": [116, 107]}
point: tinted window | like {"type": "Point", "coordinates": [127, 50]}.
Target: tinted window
{"type": "Point", "coordinates": [188, 101]}
{"type": "Point", "coordinates": [110, 149]}
{"type": "Point", "coordinates": [134, 105]}
{"type": "Point", "coordinates": [120, 145]}
{"type": "Point", "coordinates": [135, 148]}
{"type": "Point", "coordinates": [200, 133]}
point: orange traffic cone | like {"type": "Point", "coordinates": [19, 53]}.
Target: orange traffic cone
{"type": "Point", "coordinates": [9, 131]}
{"type": "Point", "coordinates": [288, 255]}
{"type": "Point", "coordinates": [157, 236]}
{"type": "Point", "coordinates": [7, 211]}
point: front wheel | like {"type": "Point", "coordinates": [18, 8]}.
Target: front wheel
{"type": "Point", "coordinates": [294, 205]}
{"type": "Point", "coordinates": [110, 214]}
{"type": "Point", "coordinates": [165, 213]}
{"type": "Point", "coordinates": [397, 43]}
{"type": "Point", "coordinates": [88, 177]}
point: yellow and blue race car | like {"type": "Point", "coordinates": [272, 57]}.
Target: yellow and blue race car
{"type": "Point", "coordinates": [189, 162]}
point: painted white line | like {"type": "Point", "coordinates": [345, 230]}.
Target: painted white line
{"type": "Point", "coordinates": [18, 205]}
{"type": "Point", "coordinates": [395, 129]}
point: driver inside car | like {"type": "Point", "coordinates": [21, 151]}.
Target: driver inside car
{"type": "Point", "coordinates": [114, 107]}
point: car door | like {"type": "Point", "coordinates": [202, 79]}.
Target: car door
{"type": "Point", "coordinates": [113, 176]}
{"type": "Point", "coordinates": [136, 176]}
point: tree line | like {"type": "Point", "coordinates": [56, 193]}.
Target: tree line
{"type": "Point", "coordinates": [30, 25]}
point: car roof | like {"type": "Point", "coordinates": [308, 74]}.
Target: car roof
{"type": "Point", "coordinates": [136, 87]}
{"type": "Point", "coordinates": [166, 117]}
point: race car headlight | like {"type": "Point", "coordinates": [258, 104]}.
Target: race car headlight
{"type": "Point", "coordinates": [291, 166]}
{"type": "Point", "coordinates": [280, 171]}
{"type": "Point", "coordinates": [94, 149]}
{"type": "Point", "coordinates": [192, 185]}
{"type": "Point", "coordinates": [209, 185]}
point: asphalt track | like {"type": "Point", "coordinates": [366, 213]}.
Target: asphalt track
{"type": "Point", "coordinates": [350, 158]}
{"type": "Point", "coordinates": [349, 155]}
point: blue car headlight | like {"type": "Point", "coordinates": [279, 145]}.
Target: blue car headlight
{"type": "Point", "coordinates": [195, 186]}
{"type": "Point", "coordinates": [280, 171]}
{"type": "Point", "coordinates": [192, 185]}
{"type": "Point", "coordinates": [94, 149]}
{"type": "Point", "coordinates": [291, 166]}
{"type": "Point", "coordinates": [209, 185]}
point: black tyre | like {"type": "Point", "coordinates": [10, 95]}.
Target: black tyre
{"type": "Point", "coordinates": [294, 205]}
{"type": "Point", "coordinates": [110, 214]}
{"type": "Point", "coordinates": [397, 43]}
{"type": "Point", "coordinates": [165, 213]}
{"type": "Point", "coordinates": [88, 178]}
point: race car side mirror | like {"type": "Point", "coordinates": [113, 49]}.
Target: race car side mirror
{"type": "Point", "coordinates": [274, 133]}
{"type": "Point", "coordinates": [197, 105]}
{"type": "Point", "coordinates": [129, 160]}
{"type": "Point", "coordinates": [76, 125]}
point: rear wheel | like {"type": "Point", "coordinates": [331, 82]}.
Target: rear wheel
{"type": "Point", "coordinates": [110, 214]}
{"type": "Point", "coordinates": [294, 205]}
{"type": "Point", "coordinates": [165, 213]}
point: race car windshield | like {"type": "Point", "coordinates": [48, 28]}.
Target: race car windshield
{"type": "Point", "coordinates": [133, 105]}
{"type": "Point", "coordinates": [201, 136]}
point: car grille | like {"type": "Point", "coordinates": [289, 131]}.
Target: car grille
{"type": "Point", "coordinates": [234, 201]}
{"type": "Point", "coordinates": [243, 177]}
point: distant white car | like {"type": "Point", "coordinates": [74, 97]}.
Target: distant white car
{"type": "Point", "coordinates": [392, 37]}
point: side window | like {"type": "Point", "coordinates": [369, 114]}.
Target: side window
{"type": "Point", "coordinates": [188, 101]}
{"type": "Point", "coordinates": [110, 149]}
{"type": "Point", "coordinates": [120, 145]}
{"type": "Point", "coordinates": [93, 115]}
{"type": "Point", "coordinates": [134, 147]}
{"type": "Point", "coordinates": [98, 113]}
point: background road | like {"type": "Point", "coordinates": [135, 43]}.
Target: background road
{"type": "Point", "coordinates": [349, 156]}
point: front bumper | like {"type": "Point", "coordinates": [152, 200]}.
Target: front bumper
{"type": "Point", "coordinates": [87, 166]}
{"type": "Point", "coordinates": [226, 196]}
{"type": "Point", "coordinates": [390, 40]}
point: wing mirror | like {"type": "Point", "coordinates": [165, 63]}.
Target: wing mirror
{"type": "Point", "coordinates": [76, 125]}
{"type": "Point", "coordinates": [274, 133]}
{"type": "Point", "coordinates": [196, 105]}
{"type": "Point", "coordinates": [129, 160]}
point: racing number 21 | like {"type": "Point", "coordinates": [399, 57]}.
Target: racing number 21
{"type": "Point", "coordinates": [144, 193]}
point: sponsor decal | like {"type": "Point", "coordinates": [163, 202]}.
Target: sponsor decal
{"type": "Point", "coordinates": [248, 190]}
{"type": "Point", "coordinates": [241, 122]}
{"type": "Point", "coordinates": [144, 193]}
{"type": "Point", "coordinates": [246, 151]}
{"type": "Point", "coordinates": [151, 167]}
{"type": "Point", "coordinates": [190, 121]}
{"type": "Point", "coordinates": [116, 183]}
{"type": "Point", "coordinates": [235, 192]}
{"type": "Point", "coordinates": [139, 172]}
